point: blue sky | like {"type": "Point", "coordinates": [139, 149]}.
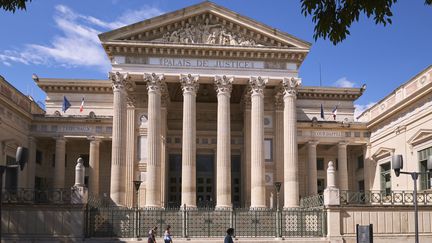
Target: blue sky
{"type": "Point", "coordinates": [59, 39]}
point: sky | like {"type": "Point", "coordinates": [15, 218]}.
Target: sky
{"type": "Point", "coordinates": [58, 39]}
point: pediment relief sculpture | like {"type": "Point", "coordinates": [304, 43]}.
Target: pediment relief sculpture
{"type": "Point", "coordinates": [206, 33]}
{"type": "Point", "coordinates": [383, 153]}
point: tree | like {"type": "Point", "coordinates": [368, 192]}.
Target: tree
{"type": "Point", "coordinates": [333, 18]}
{"type": "Point", "coordinates": [13, 5]}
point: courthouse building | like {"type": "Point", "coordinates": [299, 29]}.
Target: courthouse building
{"type": "Point", "coordinates": [204, 105]}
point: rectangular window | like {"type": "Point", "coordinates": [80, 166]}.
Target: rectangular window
{"type": "Point", "coordinates": [39, 157]}
{"type": "Point", "coordinates": [386, 178]}
{"type": "Point", "coordinates": [268, 149]}
{"type": "Point", "coordinates": [320, 164]}
{"type": "Point", "coordinates": [360, 162]}
{"type": "Point", "coordinates": [425, 180]}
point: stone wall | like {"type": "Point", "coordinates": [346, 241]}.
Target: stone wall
{"type": "Point", "coordinates": [43, 221]}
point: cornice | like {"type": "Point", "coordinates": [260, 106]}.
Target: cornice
{"type": "Point", "coordinates": [113, 48]}
{"type": "Point", "coordinates": [55, 85]}
{"type": "Point", "coordinates": [329, 93]}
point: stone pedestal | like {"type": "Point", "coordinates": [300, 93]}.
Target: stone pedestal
{"type": "Point", "coordinates": [79, 194]}
{"type": "Point", "coordinates": [258, 195]}
{"type": "Point", "coordinates": [223, 160]}
{"type": "Point", "coordinates": [189, 85]}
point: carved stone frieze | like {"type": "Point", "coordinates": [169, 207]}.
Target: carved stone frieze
{"type": "Point", "coordinates": [206, 33]}
{"type": "Point", "coordinates": [223, 84]}
{"type": "Point", "coordinates": [189, 83]}
{"type": "Point", "coordinates": [257, 85]}
{"type": "Point", "coordinates": [290, 85]}
{"type": "Point", "coordinates": [131, 100]}
{"type": "Point", "coordinates": [279, 94]}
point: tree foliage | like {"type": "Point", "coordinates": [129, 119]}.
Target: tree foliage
{"type": "Point", "coordinates": [333, 18]}
{"type": "Point", "coordinates": [13, 5]}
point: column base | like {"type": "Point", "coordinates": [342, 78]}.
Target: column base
{"type": "Point", "coordinates": [152, 207]}
{"type": "Point", "coordinates": [188, 207]}
{"type": "Point", "coordinates": [223, 207]}
{"type": "Point", "coordinates": [290, 207]}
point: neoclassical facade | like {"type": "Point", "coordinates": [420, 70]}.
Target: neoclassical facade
{"type": "Point", "coordinates": [206, 106]}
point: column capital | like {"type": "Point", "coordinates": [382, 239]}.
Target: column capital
{"type": "Point", "coordinates": [131, 100]}
{"type": "Point", "coordinates": [290, 86]}
{"type": "Point", "coordinates": [120, 81]}
{"type": "Point", "coordinates": [60, 139]}
{"type": "Point", "coordinates": [154, 81]}
{"type": "Point", "coordinates": [313, 143]}
{"type": "Point", "coordinates": [257, 85]}
{"type": "Point", "coordinates": [94, 139]}
{"type": "Point", "coordinates": [189, 83]}
{"type": "Point", "coordinates": [342, 143]}
{"type": "Point", "coordinates": [223, 84]}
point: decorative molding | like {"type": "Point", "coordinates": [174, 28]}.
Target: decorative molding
{"type": "Point", "coordinates": [257, 85]}
{"type": "Point", "coordinates": [382, 152]}
{"type": "Point", "coordinates": [420, 137]}
{"type": "Point", "coordinates": [278, 101]}
{"type": "Point", "coordinates": [189, 83]}
{"type": "Point", "coordinates": [120, 81]}
{"type": "Point", "coordinates": [223, 84]}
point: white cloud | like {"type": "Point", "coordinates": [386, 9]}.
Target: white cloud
{"type": "Point", "coordinates": [78, 43]}
{"type": "Point", "coordinates": [359, 109]}
{"type": "Point", "coordinates": [344, 83]}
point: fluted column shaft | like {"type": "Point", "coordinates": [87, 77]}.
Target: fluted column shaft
{"type": "Point", "coordinates": [59, 169]}
{"type": "Point", "coordinates": [31, 165]}
{"type": "Point", "coordinates": [291, 182]}
{"type": "Point", "coordinates": [312, 174]}
{"type": "Point", "coordinates": [223, 160]}
{"type": "Point", "coordinates": [130, 152]}
{"type": "Point", "coordinates": [117, 188]}
{"type": "Point", "coordinates": [342, 166]}
{"type": "Point", "coordinates": [190, 87]}
{"type": "Point", "coordinates": [247, 154]}
{"type": "Point", "coordinates": [258, 194]}
{"type": "Point", "coordinates": [164, 171]}
{"type": "Point", "coordinates": [94, 167]}
{"type": "Point", "coordinates": [279, 140]}
{"type": "Point", "coordinates": [153, 187]}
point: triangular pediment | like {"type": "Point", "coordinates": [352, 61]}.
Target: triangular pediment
{"type": "Point", "coordinates": [420, 136]}
{"type": "Point", "coordinates": [382, 153]}
{"type": "Point", "coordinates": [204, 24]}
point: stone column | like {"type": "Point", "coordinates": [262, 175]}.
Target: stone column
{"type": "Point", "coordinates": [189, 85]}
{"type": "Point", "coordinates": [223, 171]}
{"type": "Point", "coordinates": [367, 167]}
{"type": "Point", "coordinates": [59, 169]}
{"type": "Point", "coordinates": [291, 182]}
{"type": "Point", "coordinates": [117, 189]}
{"type": "Point", "coordinates": [130, 152]}
{"type": "Point", "coordinates": [278, 138]}
{"type": "Point", "coordinates": [94, 166]}
{"type": "Point", "coordinates": [343, 165]}
{"type": "Point", "coordinates": [143, 158]}
{"type": "Point", "coordinates": [31, 165]}
{"type": "Point", "coordinates": [312, 173]}
{"type": "Point", "coordinates": [153, 183]}
{"type": "Point", "coordinates": [258, 195]}
{"type": "Point", "coordinates": [246, 175]}
{"type": "Point", "coordinates": [164, 170]}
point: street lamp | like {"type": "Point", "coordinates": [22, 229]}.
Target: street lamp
{"type": "Point", "coordinates": [397, 164]}
{"type": "Point", "coordinates": [137, 185]}
{"type": "Point", "coordinates": [277, 186]}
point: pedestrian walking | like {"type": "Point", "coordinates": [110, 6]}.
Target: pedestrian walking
{"type": "Point", "coordinates": [151, 235]}
{"type": "Point", "coordinates": [167, 235]}
{"type": "Point", "coordinates": [228, 237]}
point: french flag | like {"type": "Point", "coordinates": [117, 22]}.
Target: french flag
{"type": "Point", "coordinates": [334, 112]}
{"type": "Point", "coordinates": [82, 105]}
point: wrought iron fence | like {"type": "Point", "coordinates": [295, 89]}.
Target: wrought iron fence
{"type": "Point", "coordinates": [384, 198]}
{"type": "Point", "coordinates": [204, 223]}
{"type": "Point", "coordinates": [34, 196]}
{"type": "Point", "coordinates": [312, 201]}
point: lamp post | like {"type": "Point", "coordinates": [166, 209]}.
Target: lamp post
{"type": "Point", "coordinates": [277, 186]}
{"type": "Point", "coordinates": [137, 185]}
{"type": "Point", "coordinates": [397, 164]}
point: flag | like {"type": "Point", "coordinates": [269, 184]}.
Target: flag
{"type": "Point", "coordinates": [82, 105]}
{"type": "Point", "coordinates": [66, 104]}
{"type": "Point", "coordinates": [322, 112]}
{"type": "Point", "coordinates": [334, 112]}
